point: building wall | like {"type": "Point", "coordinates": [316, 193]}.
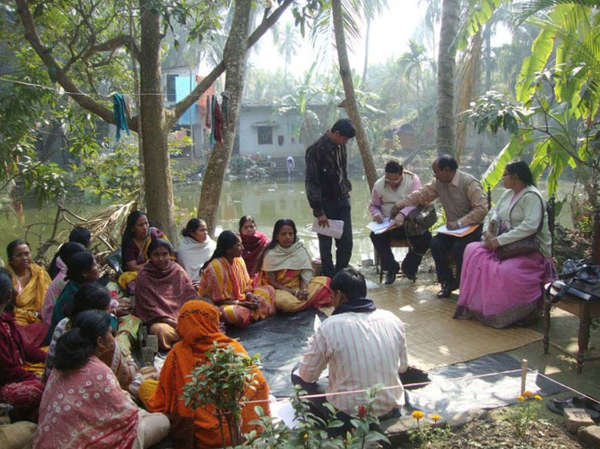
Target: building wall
{"type": "Point", "coordinates": [261, 131]}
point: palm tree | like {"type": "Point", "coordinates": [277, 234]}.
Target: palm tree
{"type": "Point", "coordinates": [445, 76]}
{"type": "Point", "coordinates": [287, 44]}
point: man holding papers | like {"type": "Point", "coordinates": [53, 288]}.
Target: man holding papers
{"type": "Point", "coordinates": [394, 186]}
{"type": "Point", "coordinates": [328, 192]}
{"type": "Point", "coordinates": [464, 203]}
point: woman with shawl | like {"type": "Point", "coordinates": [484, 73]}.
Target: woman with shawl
{"type": "Point", "coordinates": [286, 265]}
{"type": "Point", "coordinates": [60, 280]}
{"type": "Point", "coordinates": [198, 326]}
{"type": "Point", "coordinates": [18, 387]}
{"type": "Point", "coordinates": [254, 243]}
{"type": "Point", "coordinates": [162, 287]}
{"type": "Point", "coordinates": [83, 406]}
{"type": "Point", "coordinates": [31, 282]}
{"type": "Point", "coordinates": [195, 248]}
{"type": "Point", "coordinates": [134, 247]}
{"type": "Point", "coordinates": [226, 282]}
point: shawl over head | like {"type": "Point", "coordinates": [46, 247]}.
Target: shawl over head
{"type": "Point", "coordinates": [86, 408]}
{"type": "Point", "coordinates": [31, 297]}
{"type": "Point", "coordinates": [198, 325]}
{"type": "Point", "coordinates": [161, 293]}
{"type": "Point", "coordinates": [253, 247]}
{"type": "Point", "coordinates": [192, 254]}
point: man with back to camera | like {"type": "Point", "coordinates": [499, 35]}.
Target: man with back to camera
{"type": "Point", "coordinates": [328, 191]}
{"type": "Point", "coordinates": [464, 203]}
{"type": "Point", "coordinates": [362, 346]}
{"type": "Point", "coordinates": [395, 185]}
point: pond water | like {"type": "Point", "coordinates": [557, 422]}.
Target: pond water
{"type": "Point", "coordinates": [266, 199]}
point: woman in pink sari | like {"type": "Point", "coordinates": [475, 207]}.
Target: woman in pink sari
{"type": "Point", "coordinates": [83, 405]}
{"type": "Point", "coordinates": [254, 243]}
{"type": "Point", "coordinates": [497, 292]}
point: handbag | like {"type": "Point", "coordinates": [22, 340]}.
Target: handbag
{"type": "Point", "coordinates": [581, 276]}
{"type": "Point", "coordinates": [419, 220]}
{"type": "Point", "coordinates": [524, 246]}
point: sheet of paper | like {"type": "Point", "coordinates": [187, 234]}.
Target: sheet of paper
{"type": "Point", "coordinates": [460, 232]}
{"type": "Point", "coordinates": [335, 229]}
{"type": "Point", "coordinates": [380, 228]}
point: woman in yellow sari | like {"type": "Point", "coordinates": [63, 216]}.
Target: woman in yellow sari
{"type": "Point", "coordinates": [136, 239]}
{"type": "Point", "coordinates": [198, 325]}
{"type": "Point", "coordinates": [225, 281]}
{"type": "Point", "coordinates": [286, 265]}
{"type": "Point", "coordinates": [30, 282]}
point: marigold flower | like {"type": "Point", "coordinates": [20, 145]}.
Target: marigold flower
{"type": "Point", "coordinates": [537, 397]}
{"type": "Point", "coordinates": [305, 436]}
{"type": "Point", "coordinates": [528, 394]}
{"type": "Point", "coordinates": [418, 414]}
{"type": "Point", "coordinates": [520, 398]}
{"type": "Point", "coordinates": [435, 418]}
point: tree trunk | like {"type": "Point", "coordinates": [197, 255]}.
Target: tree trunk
{"type": "Point", "coordinates": [235, 65]}
{"type": "Point", "coordinates": [350, 102]}
{"type": "Point", "coordinates": [466, 89]}
{"type": "Point", "coordinates": [445, 76]}
{"type": "Point", "coordinates": [366, 62]}
{"type": "Point", "coordinates": [157, 170]}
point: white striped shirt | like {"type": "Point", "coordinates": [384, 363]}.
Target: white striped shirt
{"type": "Point", "coordinates": [362, 350]}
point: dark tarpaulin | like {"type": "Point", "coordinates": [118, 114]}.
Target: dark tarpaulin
{"type": "Point", "coordinates": [281, 341]}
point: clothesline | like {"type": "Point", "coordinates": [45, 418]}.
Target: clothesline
{"type": "Point", "coordinates": [422, 384]}
{"type": "Point", "coordinates": [63, 92]}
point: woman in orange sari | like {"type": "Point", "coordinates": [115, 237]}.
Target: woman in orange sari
{"type": "Point", "coordinates": [225, 280]}
{"type": "Point", "coordinates": [31, 282]}
{"type": "Point", "coordinates": [286, 265]}
{"type": "Point", "coordinates": [198, 325]}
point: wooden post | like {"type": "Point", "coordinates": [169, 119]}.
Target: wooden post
{"type": "Point", "coordinates": [523, 375]}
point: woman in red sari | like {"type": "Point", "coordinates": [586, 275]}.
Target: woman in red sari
{"type": "Point", "coordinates": [254, 243]}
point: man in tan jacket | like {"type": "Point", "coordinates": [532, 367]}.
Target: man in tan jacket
{"type": "Point", "coordinates": [464, 203]}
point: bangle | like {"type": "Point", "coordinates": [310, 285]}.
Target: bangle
{"type": "Point", "coordinates": [296, 293]}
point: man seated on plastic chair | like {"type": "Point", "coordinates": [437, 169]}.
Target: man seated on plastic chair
{"type": "Point", "coordinates": [361, 346]}
{"type": "Point", "coordinates": [394, 186]}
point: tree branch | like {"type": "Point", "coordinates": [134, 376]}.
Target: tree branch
{"type": "Point", "coordinates": [57, 72]}
{"type": "Point", "coordinates": [267, 22]}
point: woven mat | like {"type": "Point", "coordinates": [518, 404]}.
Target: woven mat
{"type": "Point", "coordinates": [434, 337]}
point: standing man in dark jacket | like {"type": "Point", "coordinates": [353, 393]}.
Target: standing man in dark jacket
{"type": "Point", "coordinates": [328, 191]}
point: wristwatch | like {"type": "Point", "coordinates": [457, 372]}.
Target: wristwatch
{"type": "Point", "coordinates": [459, 224]}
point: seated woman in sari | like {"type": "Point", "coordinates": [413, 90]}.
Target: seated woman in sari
{"type": "Point", "coordinates": [95, 297]}
{"type": "Point", "coordinates": [81, 269]}
{"type": "Point", "coordinates": [503, 292]}
{"type": "Point", "coordinates": [254, 243]}
{"type": "Point", "coordinates": [198, 326]}
{"type": "Point", "coordinates": [195, 248]}
{"type": "Point", "coordinates": [162, 287]}
{"type": "Point", "coordinates": [83, 405]}
{"type": "Point", "coordinates": [18, 387]}
{"type": "Point", "coordinates": [60, 280]}
{"type": "Point", "coordinates": [134, 247]}
{"type": "Point", "coordinates": [31, 283]}
{"type": "Point", "coordinates": [226, 282]}
{"type": "Point", "coordinates": [286, 265]}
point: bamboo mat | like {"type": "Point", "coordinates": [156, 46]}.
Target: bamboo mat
{"type": "Point", "coordinates": [434, 338]}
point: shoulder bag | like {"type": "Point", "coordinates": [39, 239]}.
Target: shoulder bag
{"type": "Point", "coordinates": [524, 246]}
{"type": "Point", "coordinates": [419, 220]}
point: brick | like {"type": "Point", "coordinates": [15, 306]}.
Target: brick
{"type": "Point", "coordinates": [589, 435]}
{"type": "Point", "coordinates": [576, 418]}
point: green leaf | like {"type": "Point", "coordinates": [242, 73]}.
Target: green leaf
{"type": "Point", "coordinates": [540, 52]}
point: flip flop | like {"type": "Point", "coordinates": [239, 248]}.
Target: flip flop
{"type": "Point", "coordinates": [558, 405]}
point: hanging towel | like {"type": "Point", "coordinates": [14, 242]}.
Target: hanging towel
{"type": "Point", "coordinates": [120, 115]}
{"type": "Point", "coordinates": [207, 123]}
{"type": "Point", "coordinates": [218, 122]}
{"type": "Point", "coordinates": [212, 121]}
